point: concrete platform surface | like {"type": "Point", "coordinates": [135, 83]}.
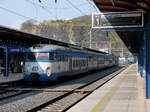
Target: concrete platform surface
{"type": "Point", "coordinates": [11, 77]}
{"type": "Point", "coordinates": [124, 93]}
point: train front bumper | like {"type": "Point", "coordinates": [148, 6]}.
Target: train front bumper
{"type": "Point", "coordinates": [42, 77]}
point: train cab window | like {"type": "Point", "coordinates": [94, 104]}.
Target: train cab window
{"type": "Point", "coordinates": [31, 56]}
{"type": "Point", "coordinates": [42, 56]}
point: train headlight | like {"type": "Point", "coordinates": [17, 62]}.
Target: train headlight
{"type": "Point", "coordinates": [48, 71]}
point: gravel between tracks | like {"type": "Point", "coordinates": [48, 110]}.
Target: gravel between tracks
{"type": "Point", "coordinates": [65, 103]}
{"type": "Point", "coordinates": [27, 101]}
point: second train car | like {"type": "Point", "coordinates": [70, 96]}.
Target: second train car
{"type": "Point", "coordinates": [49, 62]}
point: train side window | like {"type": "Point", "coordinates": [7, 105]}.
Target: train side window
{"type": "Point", "coordinates": [58, 57]}
{"type": "Point", "coordinates": [75, 63]}
{"type": "Point", "coordinates": [78, 63]}
{"type": "Point", "coordinates": [51, 56]}
{"type": "Point", "coordinates": [66, 58]}
{"type": "Point", "coordinates": [55, 57]}
{"type": "Point", "coordinates": [63, 57]}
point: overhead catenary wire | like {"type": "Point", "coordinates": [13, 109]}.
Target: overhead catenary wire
{"type": "Point", "coordinates": [13, 12]}
{"type": "Point", "coordinates": [36, 10]}
{"type": "Point", "coordinates": [41, 7]}
{"type": "Point", "coordinates": [62, 8]}
{"type": "Point", "coordinates": [93, 5]}
{"type": "Point", "coordinates": [80, 5]}
{"type": "Point", "coordinates": [75, 7]}
{"type": "Point", "coordinates": [35, 4]}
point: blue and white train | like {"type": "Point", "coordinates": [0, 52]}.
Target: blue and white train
{"type": "Point", "coordinates": [49, 62]}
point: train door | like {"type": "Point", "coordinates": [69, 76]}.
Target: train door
{"type": "Point", "coordinates": [1, 61]}
{"type": "Point", "coordinates": [70, 64]}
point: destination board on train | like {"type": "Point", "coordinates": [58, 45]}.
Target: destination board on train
{"type": "Point", "coordinates": [117, 20]}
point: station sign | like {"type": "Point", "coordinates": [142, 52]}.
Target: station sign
{"type": "Point", "coordinates": [16, 49]}
{"type": "Point", "coordinates": [118, 20]}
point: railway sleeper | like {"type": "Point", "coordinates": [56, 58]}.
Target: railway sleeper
{"type": "Point", "coordinates": [82, 91]}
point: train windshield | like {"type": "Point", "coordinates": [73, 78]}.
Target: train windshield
{"type": "Point", "coordinates": [38, 56]}
{"type": "Point", "coordinates": [42, 56]}
{"type": "Point", "coordinates": [31, 56]}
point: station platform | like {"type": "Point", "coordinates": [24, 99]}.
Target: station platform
{"type": "Point", "coordinates": [11, 78]}
{"type": "Point", "coordinates": [124, 93]}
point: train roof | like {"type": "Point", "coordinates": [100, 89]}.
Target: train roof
{"type": "Point", "coordinates": [48, 46]}
{"type": "Point", "coordinates": [73, 48]}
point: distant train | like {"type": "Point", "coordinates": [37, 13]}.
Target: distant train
{"type": "Point", "coordinates": [49, 62]}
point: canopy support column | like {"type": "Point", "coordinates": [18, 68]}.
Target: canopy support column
{"type": "Point", "coordinates": [6, 61]}
{"type": "Point", "coordinates": [141, 58]}
{"type": "Point", "coordinates": [148, 59]}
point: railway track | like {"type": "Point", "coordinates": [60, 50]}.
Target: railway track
{"type": "Point", "coordinates": [10, 90]}
{"type": "Point", "coordinates": [69, 92]}
{"type": "Point", "coordinates": [6, 93]}
{"type": "Point", "coordinates": [72, 96]}
{"type": "Point", "coordinates": [10, 94]}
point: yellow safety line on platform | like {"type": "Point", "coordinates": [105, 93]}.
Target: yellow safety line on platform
{"type": "Point", "coordinates": [108, 94]}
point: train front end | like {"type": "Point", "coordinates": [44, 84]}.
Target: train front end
{"type": "Point", "coordinates": [38, 66]}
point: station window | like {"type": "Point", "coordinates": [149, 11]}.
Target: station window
{"type": "Point", "coordinates": [16, 62]}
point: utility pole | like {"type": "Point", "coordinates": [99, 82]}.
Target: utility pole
{"type": "Point", "coordinates": [122, 52]}
{"type": "Point", "coordinates": [90, 37]}
{"type": "Point", "coordinates": [110, 48]}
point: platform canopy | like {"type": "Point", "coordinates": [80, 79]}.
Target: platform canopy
{"type": "Point", "coordinates": [9, 36]}
{"type": "Point", "coordinates": [132, 39]}
{"type": "Point", "coordinates": [16, 37]}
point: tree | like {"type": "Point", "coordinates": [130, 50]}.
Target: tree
{"type": "Point", "coordinates": [29, 26]}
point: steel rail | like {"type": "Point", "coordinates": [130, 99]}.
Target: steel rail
{"type": "Point", "coordinates": [44, 105]}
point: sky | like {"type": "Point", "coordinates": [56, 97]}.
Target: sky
{"type": "Point", "coordinates": [14, 12]}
